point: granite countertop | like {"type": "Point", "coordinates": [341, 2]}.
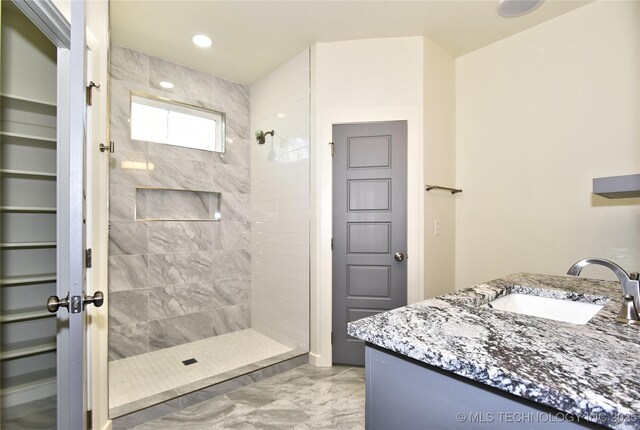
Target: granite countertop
{"type": "Point", "coordinates": [591, 370]}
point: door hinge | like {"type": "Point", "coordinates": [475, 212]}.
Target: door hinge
{"type": "Point", "coordinates": [88, 258]}
{"type": "Point", "coordinates": [332, 244]}
{"type": "Point", "coordinates": [90, 87]}
{"type": "Point", "coordinates": [331, 338]}
{"type": "Point", "coordinates": [331, 144]}
{"type": "Point", "coordinates": [89, 420]}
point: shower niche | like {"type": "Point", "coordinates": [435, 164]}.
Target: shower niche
{"type": "Point", "coordinates": [203, 225]}
{"type": "Point", "coordinates": [158, 204]}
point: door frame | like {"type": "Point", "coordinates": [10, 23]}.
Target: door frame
{"type": "Point", "coordinates": [321, 311]}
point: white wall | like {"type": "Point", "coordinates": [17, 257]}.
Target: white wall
{"type": "Point", "coordinates": [539, 114]}
{"type": "Point", "coordinates": [360, 81]}
{"type": "Point", "coordinates": [280, 204]}
{"type": "Point", "coordinates": [439, 169]}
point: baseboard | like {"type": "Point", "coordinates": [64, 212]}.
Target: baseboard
{"type": "Point", "coordinates": [318, 360]}
{"type": "Point", "coordinates": [314, 359]}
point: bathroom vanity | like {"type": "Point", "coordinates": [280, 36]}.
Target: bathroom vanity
{"type": "Point", "coordinates": [453, 362]}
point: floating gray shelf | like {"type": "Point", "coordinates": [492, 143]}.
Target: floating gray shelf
{"type": "Point", "coordinates": [617, 187]}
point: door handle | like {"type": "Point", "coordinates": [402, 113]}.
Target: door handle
{"type": "Point", "coordinates": [54, 302]}
{"type": "Point", "coordinates": [399, 256]}
{"type": "Point", "coordinates": [97, 299]}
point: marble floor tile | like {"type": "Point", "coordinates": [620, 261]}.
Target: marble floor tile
{"type": "Point", "coordinates": [204, 415]}
{"type": "Point", "coordinates": [345, 419]}
{"type": "Point", "coordinates": [316, 373]}
{"type": "Point", "coordinates": [327, 398]}
{"type": "Point", "coordinates": [303, 398]}
{"type": "Point", "coordinates": [281, 414]}
{"type": "Point", "coordinates": [271, 389]}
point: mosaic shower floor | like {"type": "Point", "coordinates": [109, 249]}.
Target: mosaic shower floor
{"type": "Point", "coordinates": [143, 380]}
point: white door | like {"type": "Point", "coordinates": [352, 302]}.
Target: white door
{"type": "Point", "coordinates": [72, 369]}
{"type": "Point", "coordinates": [67, 207]}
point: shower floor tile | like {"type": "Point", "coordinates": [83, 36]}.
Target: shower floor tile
{"type": "Point", "coordinates": [150, 378]}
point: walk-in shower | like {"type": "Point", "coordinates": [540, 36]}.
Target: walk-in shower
{"type": "Point", "coordinates": [208, 232]}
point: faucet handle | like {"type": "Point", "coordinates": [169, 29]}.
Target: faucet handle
{"type": "Point", "coordinates": [628, 313]}
{"type": "Point", "coordinates": [634, 276]}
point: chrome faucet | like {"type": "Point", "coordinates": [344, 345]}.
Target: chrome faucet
{"type": "Point", "coordinates": [630, 284]}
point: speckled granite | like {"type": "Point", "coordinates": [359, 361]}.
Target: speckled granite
{"type": "Point", "coordinates": [591, 370]}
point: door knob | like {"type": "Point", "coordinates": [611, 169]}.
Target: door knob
{"type": "Point", "coordinates": [97, 299]}
{"type": "Point", "coordinates": [54, 303]}
{"type": "Point", "coordinates": [399, 256]}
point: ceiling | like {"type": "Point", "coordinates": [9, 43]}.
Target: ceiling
{"type": "Point", "coordinates": [251, 38]}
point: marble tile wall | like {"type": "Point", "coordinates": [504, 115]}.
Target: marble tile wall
{"type": "Point", "coordinates": [280, 204]}
{"type": "Point", "coordinates": [172, 282]}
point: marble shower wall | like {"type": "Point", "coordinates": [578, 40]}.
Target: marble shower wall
{"type": "Point", "coordinates": [172, 282]}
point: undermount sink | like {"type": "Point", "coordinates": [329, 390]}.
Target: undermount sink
{"type": "Point", "coordinates": [545, 307]}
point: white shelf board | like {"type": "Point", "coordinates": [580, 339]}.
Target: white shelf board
{"type": "Point", "coordinates": [28, 136]}
{"type": "Point", "coordinates": [26, 315]}
{"type": "Point", "coordinates": [26, 350]}
{"type": "Point", "coordinates": [34, 279]}
{"type": "Point", "coordinates": [15, 172]}
{"type": "Point", "coordinates": [15, 245]}
{"type": "Point", "coordinates": [28, 209]}
{"type": "Point", "coordinates": [27, 99]}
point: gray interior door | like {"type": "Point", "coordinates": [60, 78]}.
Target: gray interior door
{"type": "Point", "coordinates": [369, 227]}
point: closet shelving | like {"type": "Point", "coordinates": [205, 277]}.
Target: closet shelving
{"type": "Point", "coordinates": [28, 216]}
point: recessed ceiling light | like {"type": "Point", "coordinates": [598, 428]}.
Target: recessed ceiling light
{"type": "Point", "coordinates": [515, 8]}
{"type": "Point", "coordinates": [166, 84]}
{"type": "Point", "coordinates": [202, 41]}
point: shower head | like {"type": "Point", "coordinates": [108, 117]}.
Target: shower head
{"type": "Point", "coordinates": [261, 136]}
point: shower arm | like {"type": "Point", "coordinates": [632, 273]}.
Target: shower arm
{"type": "Point", "coordinates": [262, 135]}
